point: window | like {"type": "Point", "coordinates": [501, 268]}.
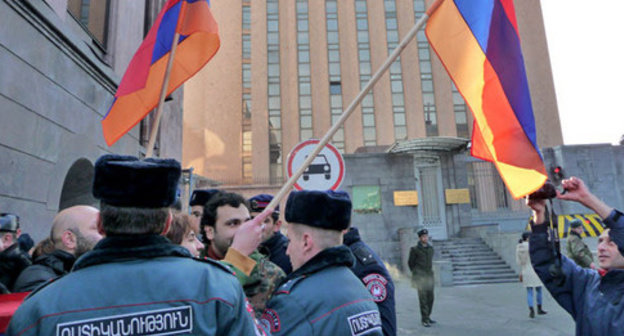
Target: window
{"type": "Point", "coordinates": [92, 15]}
{"type": "Point", "coordinates": [247, 143]}
{"type": "Point", "coordinates": [333, 56]}
{"type": "Point", "coordinates": [426, 81]}
{"type": "Point", "coordinates": [459, 107]}
{"type": "Point", "coordinates": [335, 88]}
{"type": "Point", "coordinates": [304, 88]}
{"type": "Point", "coordinates": [303, 47]}
{"type": "Point", "coordinates": [274, 101]}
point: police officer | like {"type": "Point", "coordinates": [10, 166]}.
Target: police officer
{"type": "Point", "coordinates": [421, 264]}
{"type": "Point", "coordinates": [13, 259]}
{"type": "Point", "coordinates": [199, 198]}
{"type": "Point", "coordinates": [577, 249]}
{"type": "Point", "coordinates": [370, 269]}
{"type": "Point", "coordinates": [134, 281]}
{"type": "Point", "coordinates": [321, 296]}
{"type": "Point", "coordinates": [274, 243]}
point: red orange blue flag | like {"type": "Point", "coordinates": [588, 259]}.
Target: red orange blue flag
{"type": "Point", "coordinates": [479, 45]}
{"type": "Point", "coordinates": [139, 90]}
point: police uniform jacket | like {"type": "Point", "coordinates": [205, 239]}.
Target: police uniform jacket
{"type": "Point", "coordinates": [137, 285]}
{"type": "Point", "coordinates": [370, 269]}
{"type": "Point", "coordinates": [275, 249]}
{"type": "Point", "coordinates": [323, 297]}
{"type": "Point", "coordinates": [595, 301]}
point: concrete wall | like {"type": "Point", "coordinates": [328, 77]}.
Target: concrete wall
{"type": "Point", "coordinates": [54, 91]}
{"type": "Point", "coordinates": [390, 172]}
{"type": "Point", "coordinates": [601, 166]}
{"type": "Point", "coordinates": [504, 243]}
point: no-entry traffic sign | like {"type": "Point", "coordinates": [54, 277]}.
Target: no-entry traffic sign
{"type": "Point", "coordinates": [326, 170]}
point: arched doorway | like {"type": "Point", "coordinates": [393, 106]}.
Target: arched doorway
{"type": "Point", "coordinates": [77, 185]}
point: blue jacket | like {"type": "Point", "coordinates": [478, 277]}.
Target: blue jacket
{"type": "Point", "coordinates": [275, 249]}
{"type": "Point", "coordinates": [594, 301]}
{"type": "Point", "coordinates": [323, 297]}
{"type": "Point", "coordinates": [135, 285]}
{"type": "Point", "coordinates": [370, 269]}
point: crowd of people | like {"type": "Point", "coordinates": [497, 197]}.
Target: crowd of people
{"type": "Point", "coordinates": [138, 266]}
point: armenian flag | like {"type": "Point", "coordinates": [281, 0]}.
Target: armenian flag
{"type": "Point", "coordinates": [479, 45]}
{"type": "Point", "coordinates": [139, 90]}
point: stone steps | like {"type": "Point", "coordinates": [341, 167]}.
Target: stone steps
{"type": "Point", "coordinates": [474, 262]}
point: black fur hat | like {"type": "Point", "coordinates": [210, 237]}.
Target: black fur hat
{"type": "Point", "coordinates": [322, 209]}
{"type": "Point", "coordinates": [126, 181]}
{"type": "Point", "coordinates": [202, 196]}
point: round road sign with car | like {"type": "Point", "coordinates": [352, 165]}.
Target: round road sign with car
{"type": "Point", "coordinates": [325, 172]}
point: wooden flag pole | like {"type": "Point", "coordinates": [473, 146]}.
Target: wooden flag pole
{"type": "Point", "coordinates": [395, 54]}
{"type": "Point", "coordinates": [163, 95]}
{"type": "Point", "coordinates": [163, 90]}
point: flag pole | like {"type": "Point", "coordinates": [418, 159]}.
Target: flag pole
{"type": "Point", "coordinates": [163, 90]}
{"type": "Point", "coordinates": [330, 133]}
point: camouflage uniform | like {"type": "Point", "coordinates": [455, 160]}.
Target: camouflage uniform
{"type": "Point", "coordinates": [578, 251]}
{"type": "Point", "coordinates": [261, 282]}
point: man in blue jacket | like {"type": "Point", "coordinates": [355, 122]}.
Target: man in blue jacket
{"type": "Point", "coordinates": [321, 296]}
{"type": "Point", "coordinates": [593, 298]}
{"type": "Point", "coordinates": [134, 281]}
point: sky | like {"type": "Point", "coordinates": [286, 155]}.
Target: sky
{"type": "Point", "coordinates": [586, 46]}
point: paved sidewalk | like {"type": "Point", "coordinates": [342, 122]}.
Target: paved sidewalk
{"type": "Point", "coordinates": [481, 310]}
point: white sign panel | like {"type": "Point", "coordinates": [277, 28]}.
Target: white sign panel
{"type": "Point", "coordinates": [326, 170]}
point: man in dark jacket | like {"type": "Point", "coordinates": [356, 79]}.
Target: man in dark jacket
{"type": "Point", "coordinates": [159, 288]}
{"type": "Point", "coordinates": [274, 243]}
{"type": "Point", "coordinates": [13, 260]}
{"type": "Point", "coordinates": [594, 299]}
{"type": "Point", "coordinates": [321, 296]}
{"type": "Point", "coordinates": [74, 232]}
{"type": "Point", "coordinates": [421, 264]}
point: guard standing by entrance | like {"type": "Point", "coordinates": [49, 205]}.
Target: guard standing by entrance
{"type": "Point", "coordinates": [421, 264]}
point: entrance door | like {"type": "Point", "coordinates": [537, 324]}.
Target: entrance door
{"type": "Point", "coordinates": [431, 214]}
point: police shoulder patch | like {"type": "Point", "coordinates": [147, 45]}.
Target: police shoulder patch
{"type": "Point", "coordinates": [376, 285]}
{"type": "Point", "coordinates": [271, 320]}
{"type": "Point", "coordinates": [365, 322]}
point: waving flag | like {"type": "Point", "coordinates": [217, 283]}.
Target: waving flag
{"type": "Point", "coordinates": [478, 43]}
{"type": "Point", "coordinates": [139, 90]}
